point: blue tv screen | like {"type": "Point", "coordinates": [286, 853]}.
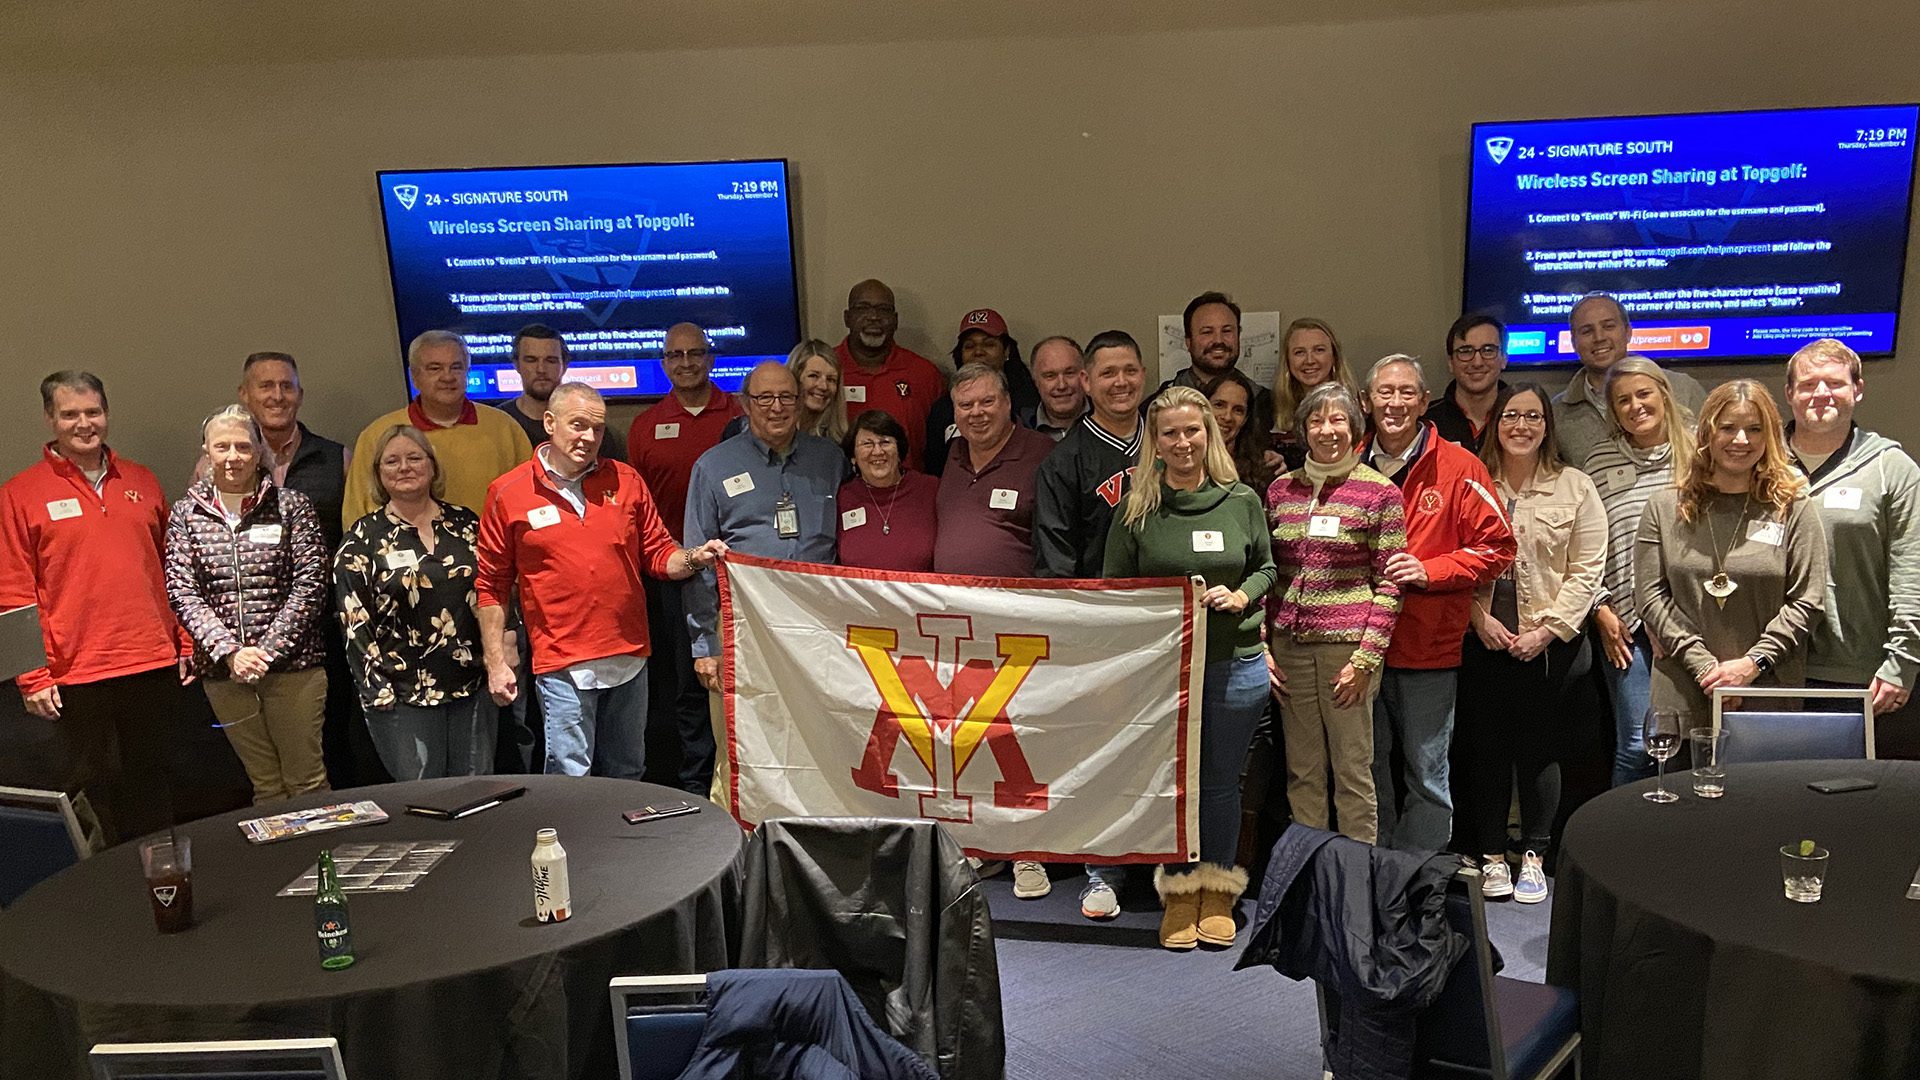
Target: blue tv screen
{"type": "Point", "coordinates": [608, 255]}
{"type": "Point", "coordinates": [1737, 235]}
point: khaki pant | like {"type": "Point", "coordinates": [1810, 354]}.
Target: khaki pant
{"type": "Point", "coordinates": [1322, 738]}
{"type": "Point", "coordinates": [274, 725]}
{"type": "Point", "coordinates": [722, 790]}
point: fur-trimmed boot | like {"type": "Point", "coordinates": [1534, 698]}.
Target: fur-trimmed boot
{"type": "Point", "coordinates": [1220, 889]}
{"type": "Point", "coordinates": [1180, 897]}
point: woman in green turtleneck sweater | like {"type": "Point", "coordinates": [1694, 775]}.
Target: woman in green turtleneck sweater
{"type": "Point", "coordinates": [1187, 515]}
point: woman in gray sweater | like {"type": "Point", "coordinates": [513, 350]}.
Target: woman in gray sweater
{"type": "Point", "coordinates": [1730, 566]}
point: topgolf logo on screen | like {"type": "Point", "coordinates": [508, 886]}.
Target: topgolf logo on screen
{"type": "Point", "coordinates": [1498, 147]}
{"type": "Point", "coordinates": [406, 193]}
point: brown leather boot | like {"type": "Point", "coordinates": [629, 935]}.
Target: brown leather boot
{"type": "Point", "coordinates": [1180, 897]}
{"type": "Point", "coordinates": [1220, 889]}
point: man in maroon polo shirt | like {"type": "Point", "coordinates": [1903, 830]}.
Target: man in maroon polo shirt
{"type": "Point", "coordinates": [877, 373]}
{"type": "Point", "coordinates": [986, 494]}
{"type": "Point", "coordinates": [663, 444]}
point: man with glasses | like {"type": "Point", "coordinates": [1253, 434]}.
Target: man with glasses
{"type": "Point", "coordinates": [876, 372]}
{"type": "Point", "coordinates": [663, 444]}
{"type": "Point", "coordinates": [767, 491]}
{"type": "Point", "coordinates": [1476, 355]}
{"type": "Point", "coordinates": [1602, 334]}
{"type": "Point", "coordinates": [541, 358]}
{"type": "Point", "coordinates": [1458, 538]}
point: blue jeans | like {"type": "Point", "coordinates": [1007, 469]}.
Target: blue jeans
{"type": "Point", "coordinates": [598, 732]}
{"type": "Point", "coordinates": [427, 742]}
{"type": "Point", "coordinates": [1414, 714]}
{"type": "Point", "coordinates": [1231, 701]}
{"type": "Point", "coordinates": [1630, 691]}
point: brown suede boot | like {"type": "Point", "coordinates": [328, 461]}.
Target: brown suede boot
{"type": "Point", "coordinates": [1180, 897]}
{"type": "Point", "coordinates": [1220, 889]}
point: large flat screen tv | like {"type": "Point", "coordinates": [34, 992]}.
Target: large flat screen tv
{"type": "Point", "coordinates": [1738, 235]}
{"type": "Point", "coordinates": [608, 255]}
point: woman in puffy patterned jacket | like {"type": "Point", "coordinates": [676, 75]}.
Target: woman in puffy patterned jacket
{"type": "Point", "coordinates": [247, 576]}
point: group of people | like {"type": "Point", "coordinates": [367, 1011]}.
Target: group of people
{"type": "Point", "coordinates": [1409, 591]}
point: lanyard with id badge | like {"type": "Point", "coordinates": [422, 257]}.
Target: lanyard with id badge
{"type": "Point", "coordinates": [786, 517]}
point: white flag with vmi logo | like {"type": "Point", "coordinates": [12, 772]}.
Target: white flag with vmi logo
{"type": "Point", "coordinates": [1034, 719]}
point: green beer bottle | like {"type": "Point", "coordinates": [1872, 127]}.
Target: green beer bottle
{"type": "Point", "coordinates": [330, 917]}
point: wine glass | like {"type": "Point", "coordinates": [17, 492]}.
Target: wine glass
{"type": "Point", "coordinates": [1663, 741]}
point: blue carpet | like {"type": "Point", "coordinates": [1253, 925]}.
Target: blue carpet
{"type": "Point", "coordinates": [1077, 1007]}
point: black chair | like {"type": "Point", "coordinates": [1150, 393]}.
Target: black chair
{"type": "Point", "coordinates": [40, 837]}
{"type": "Point", "coordinates": [1487, 1025]}
{"type": "Point", "coordinates": [241, 1059]}
{"type": "Point", "coordinates": [1794, 736]}
{"type": "Point", "coordinates": [657, 1021]}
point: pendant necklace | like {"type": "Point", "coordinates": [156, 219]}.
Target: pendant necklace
{"type": "Point", "coordinates": [886, 512]}
{"type": "Point", "coordinates": [1720, 586]}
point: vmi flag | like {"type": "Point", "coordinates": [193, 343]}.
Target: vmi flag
{"type": "Point", "coordinates": [1034, 719]}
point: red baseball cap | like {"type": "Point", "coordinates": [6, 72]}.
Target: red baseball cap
{"type": "Point", "coordinates": [985, 319]}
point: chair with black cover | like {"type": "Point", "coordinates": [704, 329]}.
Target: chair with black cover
{"type": "Point", "coordinates": [1483, 1024]}
{"type": "Point", "coordinates": [40, 837]}
{"type": "Point", "coordinates": [239, 1059]}
{"type": "Point", "coordinates": [657, 1023]}
{"type": "Point", "coordinates": [1755, 736]}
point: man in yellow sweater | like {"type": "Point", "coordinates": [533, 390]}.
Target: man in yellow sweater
{"type": "Point", "coordinates": [475, 446]}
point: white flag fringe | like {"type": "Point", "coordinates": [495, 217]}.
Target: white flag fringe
{"type": "Point", "coordinates": [1035, 719]}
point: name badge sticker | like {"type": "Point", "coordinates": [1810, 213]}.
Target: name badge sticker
{"type": "Point", "coordinates": [1770, 533]}
{"type": "Point", "coordinates": [1003, 499]}
{"type": "Point", "coordinates": [737, 485]}
{"type": "Point", "coordinates": [854, 518]}
{"type": "Point", "coordinates": [666, 431]}
{"type": "Point", "coordinates": [264, 535]}
{"type": "Point", "coordinates": [1209, 540]}
{"type": "Point", "coordinates": [1841, 499]}
{"type": "Point", "coordinates": [401, 559]}
{"type": "Point", "coordinates": [542, 516]}
{"type": "Point", "coordinates": [1323, 525]}
{"type": "Point", "coordinates": [856, 393]}
{"type": "Point", "coordinates": [1617, 479]}
{"type": "Point", "coordinates": [62, 509]}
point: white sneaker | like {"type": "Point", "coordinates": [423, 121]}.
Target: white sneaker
{"type": "Point", "coordinates": [1097, 901]}
{"type": "Point", "coordinates": [1532, 887]}
{"type": "Point", "coordinates": [1030, 881]}
{"type": "Point", "coordinates": [1495, 879]}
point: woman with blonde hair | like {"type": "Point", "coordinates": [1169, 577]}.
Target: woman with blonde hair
{"type": "Point", "coordinates": [1186, 514]}
{"type": "Point", "coordinates": [823, 400]}
{"type": "Point", "coordinates": [1652, 432]}
{"type": "Point", "coordinates": [1309, 356]}
{"type": "Point", "coordinates": [1731, 563]}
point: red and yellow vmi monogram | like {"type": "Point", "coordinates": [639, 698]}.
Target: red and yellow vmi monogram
{"type": "Point", "coordinates": [947, 720]}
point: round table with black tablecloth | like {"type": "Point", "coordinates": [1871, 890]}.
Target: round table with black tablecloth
{"type": "Point", "coordinates": [1670, 922]}
{"type": "Point", "coordinates": [454, 980]}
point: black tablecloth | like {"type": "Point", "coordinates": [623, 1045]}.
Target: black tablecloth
{"type": "Point", "coordinates": [454, 978]}
{"type": "Point", "coordinates": [1670, 923]}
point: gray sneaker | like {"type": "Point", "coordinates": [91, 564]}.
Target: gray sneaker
{"type": "Point", "coordinates": [1097, 901]}
{"type": "Point", "coordinates": [1030, 881]}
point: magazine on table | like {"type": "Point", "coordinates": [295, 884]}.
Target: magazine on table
{"type": "Point", "coordinates": [266, 830]}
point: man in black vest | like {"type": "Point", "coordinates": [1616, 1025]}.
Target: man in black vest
{"type": "Point", "coordinates": [317, 468]}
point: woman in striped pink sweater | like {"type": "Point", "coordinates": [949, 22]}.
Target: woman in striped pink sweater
{"type": "Point", "coordinates": [1335, 523]}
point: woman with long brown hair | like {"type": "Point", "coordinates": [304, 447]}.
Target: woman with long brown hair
{"type": "Point", "coordinates": [1730, 565]}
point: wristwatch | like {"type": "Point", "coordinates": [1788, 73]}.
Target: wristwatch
{"type": "Point", "coordinates": [1765, 665]}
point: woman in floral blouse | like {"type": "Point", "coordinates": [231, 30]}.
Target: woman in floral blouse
{"type": "Point", "coordinates": [404, 579]}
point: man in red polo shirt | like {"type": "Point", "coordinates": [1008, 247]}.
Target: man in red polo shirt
{"type": "Point", "coordinates": [877, 373]}
{"type": "Point", "coordinates": [663, 444]}
{"type": "Point", "coordinates": [576, 533]}
{"type": "Point", "coordinates": [83, 535]}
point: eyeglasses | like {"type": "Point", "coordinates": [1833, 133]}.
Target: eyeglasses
{"type": "Point", "coordinates": [768, 401]}
{"type": "Point", "coordinates": [1529, 417]}
{"type": "Point", "coordinates": [678, 355]}
{"type": "Point", "coordinates": [873, 309]}
{"type": "Point", "coordinates": [1486, 352]}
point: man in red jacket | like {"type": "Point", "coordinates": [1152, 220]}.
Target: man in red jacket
{"type": "Point", "coordinates": [83, 535]}
{"type": "Point", "coordinates": [1458, 538]}
{"type": "Point", "coordinates": [575, 534]}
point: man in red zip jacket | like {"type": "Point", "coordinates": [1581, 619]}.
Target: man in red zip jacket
{"type": "Point", "coordinates": [1458, 538]}
{"type": "Point", "coordinates": [574, 534]}
{"type": "Point", "coordinates": [83, 535]}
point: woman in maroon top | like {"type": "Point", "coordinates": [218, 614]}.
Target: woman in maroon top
{"type": "Point", "coordinates": [886, 511]}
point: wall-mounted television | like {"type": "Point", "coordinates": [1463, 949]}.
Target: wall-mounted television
{"type": "Point", "coordinates": [1731, 235]}
{"type": "Point", "coordinates": [608, 255]}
